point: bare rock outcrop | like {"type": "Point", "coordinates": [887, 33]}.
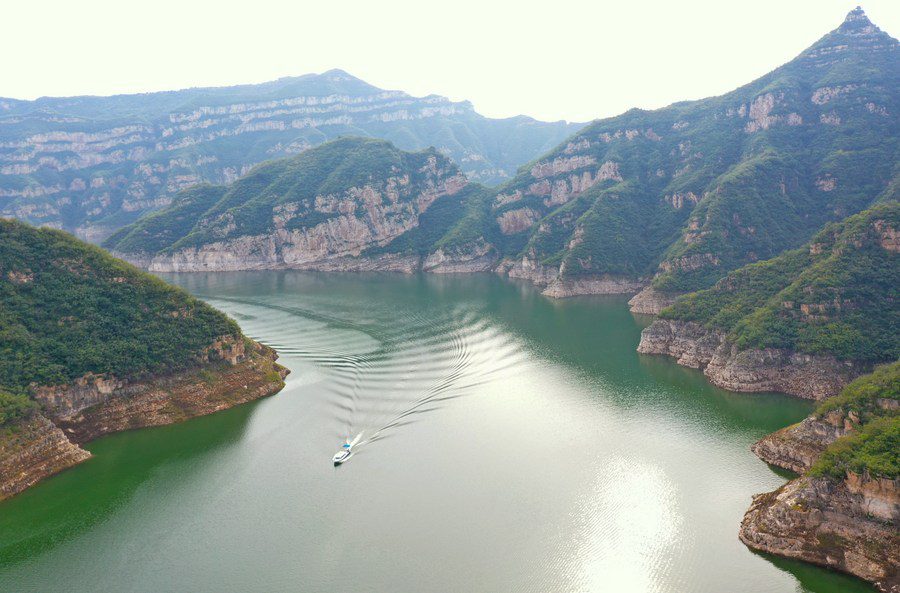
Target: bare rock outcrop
{"type": "Point", "coordinates": [227, 374]}
{"type": "Point", "coordinates": [650, 301]}
{"type": "Point", "coordinates": [848, 525]}
{"type": "Point", "coordinates": [566, 287]}
{"type": "Point", "coordinates": [32, 450]}
{"type": "Point", "coordinates": [797, 447]}
{"type": "Point", "coordinates": [479, 256]}
{"type": "Point", "coordinates": [725, 365]}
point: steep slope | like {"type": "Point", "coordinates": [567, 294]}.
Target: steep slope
{"type": "Point", "coordinates": [687, 193]}
{"type": "Point", "coordinates": [843, 512]}
{"type": "Point", "coordinates": [90, 345]}
{"type": "Point", "coordinates": [805, 322]}
{"type": "Point", "coordinates": [321, 209]}
{"type": "Point", "coordinates": [94, 164]}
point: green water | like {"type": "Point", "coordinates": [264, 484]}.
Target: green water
{"type": "Point", "coordinates": [509, 443]}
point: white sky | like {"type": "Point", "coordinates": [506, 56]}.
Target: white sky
{"type": "Point", "coordinates": [558, 59]}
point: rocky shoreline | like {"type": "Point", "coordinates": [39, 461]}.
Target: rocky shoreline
{"type": "Point", "coordinates": [803, 375]}
{"type": "Point", "coordinates": [848, 525]}
{"type": "Point", "coordinates": [48, 442]}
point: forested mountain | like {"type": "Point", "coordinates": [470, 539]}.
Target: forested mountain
{"type": "Point", "coordinates": [691, 191]}
{"type": "Point", "coordinates": [94, 164]}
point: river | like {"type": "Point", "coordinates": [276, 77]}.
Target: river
{"type": "Point", "coordinates": [509, 442]}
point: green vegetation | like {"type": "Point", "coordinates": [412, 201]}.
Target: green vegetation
{"type": "Point", "coordinates": [712, 185]}
{"type": "Point", "coordinates": [871, 450]}
{"type": "Point", "coordinates": [213, 146]}
{"type": "Point", "coordinates": [837, 296]}
{"type": "Point", "coordinates": [296, 193]}
{"type": "Point", "coordinates": [68, 309]}
{"type": "Point", "coordinates": [863, 396]}
{"type": "Point", "coordinates": [14, 407]}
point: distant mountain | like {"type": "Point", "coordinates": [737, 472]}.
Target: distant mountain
{"type": "Point", "coordinates": [331, 203]}
{"type": "Point", "coordinates": [94, 164]}
{"type": "Point", "coordinates": [686, 193]}
{"type": "Point", "coordinates": [668, 200]}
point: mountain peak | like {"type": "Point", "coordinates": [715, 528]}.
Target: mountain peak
{"type": "Point", "coordinates": [857, 22]}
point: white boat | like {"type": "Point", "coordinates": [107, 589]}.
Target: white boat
{"type": "Point", "coordinates": [342, 455]}
{"type": "Point", "coordinates": [346, 450]}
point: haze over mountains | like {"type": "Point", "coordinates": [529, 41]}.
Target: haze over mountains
{"type": "Point", "coordinates": [93, 164]}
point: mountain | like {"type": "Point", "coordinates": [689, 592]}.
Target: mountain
{"type": "Point", "coordinates": [668, 201]}
{"type": "Point", "coordinates": [843, 511]}
{"type": "Point", "coordinates": [91, 345]}
{"type": "Point", "coordinates": [805, 322]}
{"type": "Point", "coordinates": [686, 193]}
{"type": "Point", "coordinates": [320, 209]}
{"type": "Point", "coordinates": [94, 164]}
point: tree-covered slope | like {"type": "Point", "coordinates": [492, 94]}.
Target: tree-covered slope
{"type": "Point", "coordinates": [68, 309]}
{"type": "Point", "coordinates": [94, 164]}
{"type": "Point", "coordinates": [839, 295]}
{"type": "Point", "coordinates": [694, 190]}
{"type": "Point", "coordinates": [345, 197]}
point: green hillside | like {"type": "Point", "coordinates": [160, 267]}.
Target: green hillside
{"type": "Point", "coordinates": [839, 295]}
{"type": "Point", "coordinates": [68, 309]}
{"type": "Point", "coordinates": [699, 188]}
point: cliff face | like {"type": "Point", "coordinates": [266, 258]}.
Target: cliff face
{"type": "Point", "coordinates": [804, 375]}
{"type": "Point", "coordinates": [849, 525]}
{"type": "Point", "coordinates": [687, 193]}
{"type": "Point", "coordinates": [32, 450]}
{"type": "Point", "coordinates": [93, 164]}
{"type": "Point", "coordinates": [650, 301]}
{"type": "Point", "coordinates": [93, 406]}
{"type": "Point", "coordinates": [797, 447]}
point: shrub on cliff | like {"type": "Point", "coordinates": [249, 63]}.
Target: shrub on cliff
{"type": "Point", "coordinates": [14, 407]}
{"type": "Point", "coordinates": [836, 296]}
{"type": "Point", "coordinates": [872, 450]}
{"type": "Point", "coordinates": [865, 395]}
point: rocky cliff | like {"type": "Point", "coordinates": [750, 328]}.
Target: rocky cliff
{"type": "Point", "coordinates": [93, 164]}
{"type": "Point", "coordinates": [687, 193]}
{"type": "Point", "coordinates": [806, 322]}
{"type": "Point", "coordinates": [848, 525]}
{"type": "Point", "coordinates": [48, 442]}
{"type": "Point", "coordinates": [843, 513]}
{"type": "Point", "coordinates": [725, 365]}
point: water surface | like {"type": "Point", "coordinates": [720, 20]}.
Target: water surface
{"type": "Point", "coordinates": [509, 443]}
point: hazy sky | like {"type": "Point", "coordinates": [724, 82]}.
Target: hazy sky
{"type": "Point", "coordinates": [556, 59]}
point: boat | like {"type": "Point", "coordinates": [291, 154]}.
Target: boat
{"type": "Point", "coordinates": [343, 455]}
{"type": "Point", "coordinates": [346, 450]}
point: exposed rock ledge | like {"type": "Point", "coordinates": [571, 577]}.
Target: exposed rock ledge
{"type": "Point", "coordinates": [798, 446]}
{"type": "Point", "coordinates": [848, 525]}
{"type": "Point", "coordinates": [32, 450]}
{"type": "Point", "coordinates": [94, 406]}
{"type": "Point", "coordinates": [650, 301]}
{"type": "Point", "coordinates": [559, 286]}
{"type": "Point", "coordinates": [803, 375]}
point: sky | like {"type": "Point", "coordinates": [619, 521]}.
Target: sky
{"type": "Point", "coordinates": [562, 59]}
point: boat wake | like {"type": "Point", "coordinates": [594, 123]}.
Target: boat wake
{"type": "Point", "coordinates": [390, 369]}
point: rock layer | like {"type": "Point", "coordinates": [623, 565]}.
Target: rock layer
{"type": "Point", "coordinates": [797, 447]}
{"type": "Point", "coordinates": [31, 450]}
{"type": "Point", "coordinates": [803, 375]}
{"type": "Point", "coordinates": [848, 525]}
{"type": "Point", "coordinates": [650, 301]}
{"type": "Point", "coordinates": [89, 408]}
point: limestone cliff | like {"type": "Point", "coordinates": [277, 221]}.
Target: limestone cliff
{"type": "Point", "coordinates": [48, 442]}
{"type": "Point", "coordinates": [92, 164]}
{"type": "Point", "coordinates": [848, 525]}
{"type": "Point", "coordinates": [725, 365]}
{"type": "Point", "coordinates": [31, 450]}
